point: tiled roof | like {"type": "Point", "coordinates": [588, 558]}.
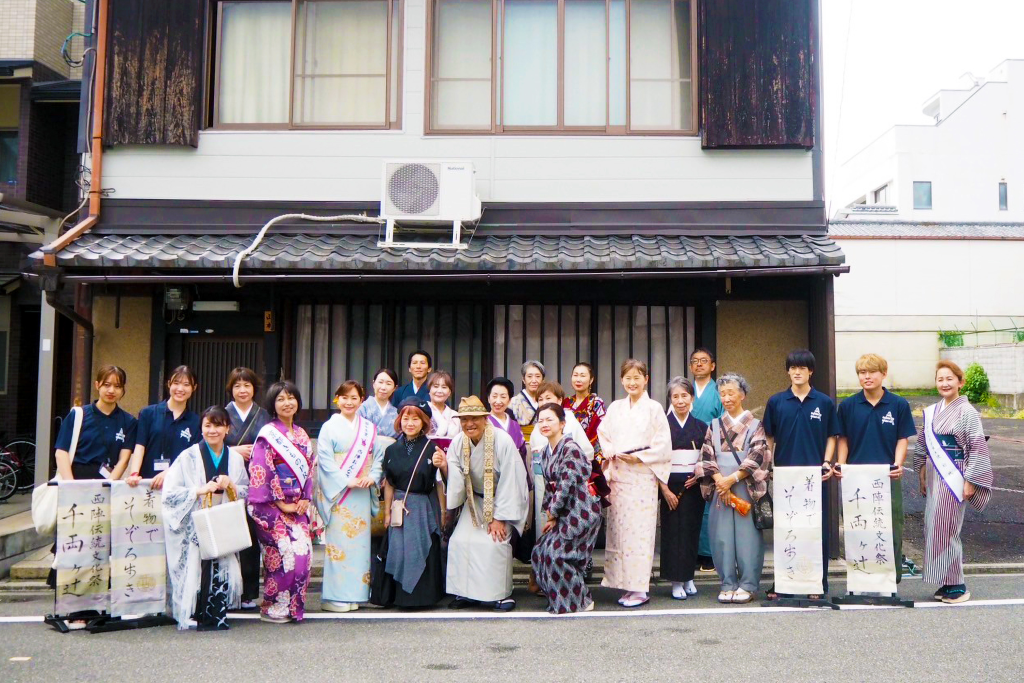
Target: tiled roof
{"type": "Point", "coordinates": [920, 230]}
{"type": "Point", "coordinates": [337, 252]}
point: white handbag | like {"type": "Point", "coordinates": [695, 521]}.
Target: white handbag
{"type": "Point", "coordinates": [44, 498]}
{"type": "Point", "coordinates": [222, 529]}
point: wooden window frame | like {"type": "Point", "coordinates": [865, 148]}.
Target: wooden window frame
{"type": "Point", "coordinates": [395, 43]}
{"type": "Point", "coordinates": [498, 81]}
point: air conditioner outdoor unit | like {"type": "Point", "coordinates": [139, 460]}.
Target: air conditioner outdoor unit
{"type": "Point", "coordinates": [428, 193]}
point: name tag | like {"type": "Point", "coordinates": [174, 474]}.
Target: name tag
{"type": "Point", "coordinates": [161, 464]}
{"type": "Point", "coordinates": [105, 472]}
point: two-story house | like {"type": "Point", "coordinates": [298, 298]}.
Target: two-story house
{"type": "Point", "coordinates": [932, 224]}
{"type": "Point", "coordinates": [649, 170]}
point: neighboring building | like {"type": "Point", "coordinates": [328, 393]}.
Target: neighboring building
{"type": "Point", "coordinates": [933, 235]}
{"type": "Point", "coordinates": [39, 121]}
{"type": "Point", "coordinates": [642, 194]}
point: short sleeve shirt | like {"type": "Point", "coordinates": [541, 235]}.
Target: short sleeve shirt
{"type": "Point", "coordinates": [165, 437]}
{"type": "Point", "coordinates": [871, 431]}
{"type": "Point", "coordinates": [102, 437]}
{"type": "Point", "coordinates": [801, 429]}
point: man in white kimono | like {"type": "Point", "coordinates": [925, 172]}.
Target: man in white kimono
{"type": "Point", "coordinates": [487, 478]}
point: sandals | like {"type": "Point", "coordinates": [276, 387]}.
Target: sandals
{"type": "Point", "coordinates": [631, 600]}
{"type": "Point", "coordinates": [725, 596]}
{"type": "Point", "coordinates": [956, 594]}
{"type": "Point", "coordinates": [741, 596]}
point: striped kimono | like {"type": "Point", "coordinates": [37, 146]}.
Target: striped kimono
{"type": "Point", "coordinates": [944, 515]}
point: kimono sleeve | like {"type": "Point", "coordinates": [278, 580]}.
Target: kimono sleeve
{"type": "Point", "coordinates": [456, 493]}
{"type": "Point", "coordinates": [511, 496]}
{"type": "Point", "coordinates": [581, 438]}
{"type": "Point", "coordinates": [307, 490]}
{"type": "Point", "coordinates": [238, 473]}
{"type": "Point", "coordinates": [181, 486]}
{"type": "Point", "coordinates": [332, 482]}
{"type": "Point", "coordinates": [708, 463]}
{"type": "Point", "coordinates": [377, 466]}
{"type": "Point", "coordinates": [262, 474]}
{"type": "Point", "coordinates": [920, 451]}
{"type": "Point", "coordinates": [572, 479]}
{"type": "Point", "coordinates": [605, 433]}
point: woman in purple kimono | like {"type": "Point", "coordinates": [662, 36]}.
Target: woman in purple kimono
{"type": "Point", "coordinates": [499, 396]}
{"type": "Point", "coordinates": [280, 472]}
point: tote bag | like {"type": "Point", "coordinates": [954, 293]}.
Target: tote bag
{"type": "Point", "coordinates": [44, 498]}
{"type": "Point", "coordinates": [222, 529]}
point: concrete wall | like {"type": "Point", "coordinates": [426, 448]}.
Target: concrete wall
{"type": "Point", "coordinates": [347, 165]}
{"type": "Point", "coordinates": [1004, 365]}
{"type": "Point", "coordinates": [127, 345]}
{"type": "Point", "coordinates": [753, 339]}
{"type": "Point", "coordinates": [891, 302]}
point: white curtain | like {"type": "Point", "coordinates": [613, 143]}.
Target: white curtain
{"type": "Point", "coordinates": [659, 78]}
{"type": "Point", "coordinates": [461, 62]}
{"type": "Point", "coordinates": [254, 62]}
{"type": "Point", "coordinates": [586, 59]}
{"type": "Point", "coordinates": [303, 348]}
{"type": "Point", "coordinates": [531, 63]}
{"type": "Point", "coordinates": [617, 63]}
{"type": "Point", "coordinates": [341, 62]}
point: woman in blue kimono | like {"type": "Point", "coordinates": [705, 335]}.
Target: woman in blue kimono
{"type": "Point", "coordinates": [377, 408]}
{"type": "Point", "coordinates": [349, 465]}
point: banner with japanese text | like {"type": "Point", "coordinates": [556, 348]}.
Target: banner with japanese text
{"type": "Point", "coordinates": [798, 569]}
{"type": "Point", "coordinates": [867, 525]}
{"type": "Point", "coordinates": [83, 546]}
{"type": "Point", "coordinates": [138, 568]}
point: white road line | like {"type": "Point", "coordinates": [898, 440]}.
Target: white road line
{"type": "Point", "coordinates": [374, 615]}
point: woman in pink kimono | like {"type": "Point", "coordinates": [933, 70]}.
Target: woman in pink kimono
{"type": "Point", "coordinates": [637, 447]}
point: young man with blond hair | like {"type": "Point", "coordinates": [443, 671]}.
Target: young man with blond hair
{"type": "Point", "coordinates": [875, 426]}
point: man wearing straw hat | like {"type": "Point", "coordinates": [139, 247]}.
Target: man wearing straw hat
{"type": "Point", "coordinates": [487, 476]}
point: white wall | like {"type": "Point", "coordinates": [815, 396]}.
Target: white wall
{"type": "Point", "coordinates": [346, 166]}
{"type": "Point", "coordinates": [900, 293]}
{"type": "Point", "coordinates": [965, 157]}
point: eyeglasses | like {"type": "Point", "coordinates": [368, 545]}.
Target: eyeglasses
{"type": "Point", "coordinates": [700, 361]}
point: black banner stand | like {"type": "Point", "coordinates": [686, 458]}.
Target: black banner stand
{"type": "Point", "coordinates": [891, 600]}
{"type": "Point", "coordinates": [801, 601]}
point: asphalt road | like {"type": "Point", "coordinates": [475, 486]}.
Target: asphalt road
{"type": "Point", "coordinates": [692, 640]}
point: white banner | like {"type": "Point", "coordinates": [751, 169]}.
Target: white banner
{"type": "Point", "coordinates": [797, 496]}
{"type": "Point", "coordinates": [138, 567]}
{"type": "Point", "coordinates": [867, 523]}
{"type": "Point", "coordinates": [83, 546]}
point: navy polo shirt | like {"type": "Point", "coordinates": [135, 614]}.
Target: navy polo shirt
{"type": "Point", "coordinates": [409, 391]}
{"type": "Point", "coordinates": [872, 431]}
{"type": "Point", "coordinates": [102, 438]}
{"type": "Point", "coordinates": [163, 436]}
{"type": "Point", "coordinates": [801, 429]}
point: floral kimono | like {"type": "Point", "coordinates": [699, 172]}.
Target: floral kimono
{"type": "Point", "coordinates": [347, 450]}
{"type": "Point", "coordinates": [283, 536]}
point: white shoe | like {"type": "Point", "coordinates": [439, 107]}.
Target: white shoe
{"type": "Point", "coordinates": [690, 587]}
{"type": "Point", "coordinates": [678, 591]}
{"type": "Point", "coordinates": [330, 606]}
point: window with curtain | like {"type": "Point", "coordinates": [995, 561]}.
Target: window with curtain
{"type": "Point", "coordinates": [590, 66]}
{"type": "Point", "coordinates": [344, 72]}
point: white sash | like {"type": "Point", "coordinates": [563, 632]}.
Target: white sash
{"type": "Point", "coordinates": [357, 454]}
{"type": "Point", "coordinates": [683, 461]}
{"type": "Point", "coordinates": [291, 455]}
{"type": "Point", "coordinates": [944, 465]}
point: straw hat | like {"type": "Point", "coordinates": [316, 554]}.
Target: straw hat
{"type": "Point", "coordinates": [471, 406]}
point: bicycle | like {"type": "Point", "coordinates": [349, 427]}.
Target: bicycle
{"type": "Point", "coordinates": [8, 481]}
{"type": "Point", "coordinates": [20, 456]}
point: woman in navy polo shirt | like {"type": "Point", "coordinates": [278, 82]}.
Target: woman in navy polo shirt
{"type": "Point", "coordinates": [106, 438]}
{"type": "Point", "coordinates": [165, 430]}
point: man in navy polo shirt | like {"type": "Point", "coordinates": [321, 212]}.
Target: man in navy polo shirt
{"type": "Point", "coordinates": [419, 368]}
{"type": "Point", "coordinates": [874, 428]}
{"type": "Point", "coordinates": [802, 426]}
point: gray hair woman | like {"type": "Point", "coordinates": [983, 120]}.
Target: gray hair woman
{"type": "Point", "coordinates": [524, 404]}
{"type": "Point", "coordinates": [735, 450]}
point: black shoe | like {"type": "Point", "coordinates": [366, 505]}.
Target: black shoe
{"type": "Point", "coordinates": [461, 603]}
{"type": "Point", "coordinates": [506, 605]}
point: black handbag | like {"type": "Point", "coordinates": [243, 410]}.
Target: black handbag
{"type": "Point", "coordinates": [763, 508]}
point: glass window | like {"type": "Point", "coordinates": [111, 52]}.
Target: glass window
{"type": "Point", "coordinates": [8, 158]}
{"type": "Point", "coordinates": [344, 71]}
{"type": "Point", "coordinates": [1003, 203]}
{"type": "Point", "coordinates": [461, 65]}
{"type": "Point", "coordinates": [922, 194]}
{"type": "Point", "coordinates": [563, 65]}
{"type": "Point", "coordinates": [881, 195]}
